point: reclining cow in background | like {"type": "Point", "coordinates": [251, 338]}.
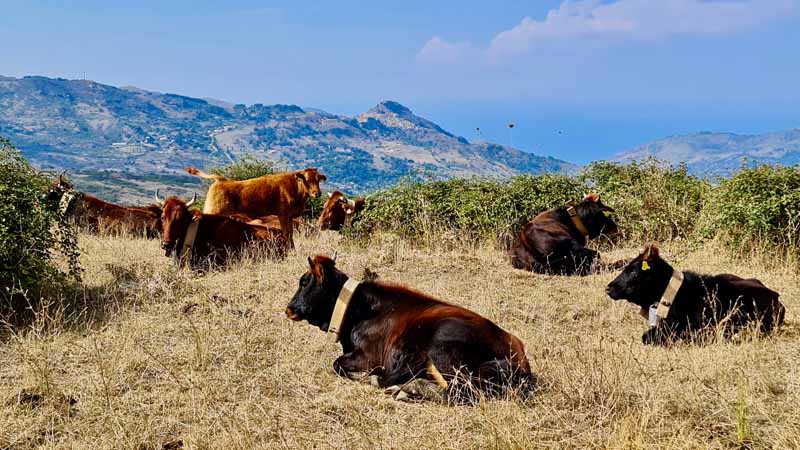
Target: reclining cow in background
{"type": "Point", "coordinates": [337, 210]}
{"type": "Point", "coordinates": [284, 195]}
{"type": "Point", "coordinates": [97, 216]}
{"type": "Point", "coordinates": [554, 242]}
{"type": "Point", "coordinates": [399, 334]}
{"type": "Point", "coordinates": [682, 305]}
{"type": "Point", "coordinates": [195, 238]}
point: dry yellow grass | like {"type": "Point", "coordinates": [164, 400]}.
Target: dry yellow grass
{"type": "Point", "coordinates": [157, 356]}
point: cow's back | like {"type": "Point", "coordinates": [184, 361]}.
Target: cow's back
{"type": "Point", "coordinates": [444, 323]}
{"type": "Point", "coordinates": [257, 197]}
{"type": "Point", "coordinates": [541, 238]}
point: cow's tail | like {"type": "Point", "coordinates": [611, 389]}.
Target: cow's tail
{"type": "Point", "coordinates": [201, 174]}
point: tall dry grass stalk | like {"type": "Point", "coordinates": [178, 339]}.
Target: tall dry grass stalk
{"type": "Point", "coordinates": [143, 355]}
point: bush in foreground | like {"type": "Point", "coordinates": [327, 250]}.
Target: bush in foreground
{"type": "Point", "coordinates": [31, 229]}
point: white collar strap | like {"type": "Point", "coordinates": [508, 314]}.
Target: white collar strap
{"type": "Point", "coordinates": [667, 298]}
{"type": "Point", "coordinates": [339, 311]}
{"type": "Point", "coordinates": [66, 200]}
{"type": "Point", "coordinates": [185, 253]}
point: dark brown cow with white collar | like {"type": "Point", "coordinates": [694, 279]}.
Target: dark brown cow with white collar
{"type": "Point", "coordinates": [554, 242]}
{"type": "Point", "coordinates": [694, 304]}
{"type": "Point", "coordinates": [399, 334]}
{"type": "Point", "coordinates": [216, 237]}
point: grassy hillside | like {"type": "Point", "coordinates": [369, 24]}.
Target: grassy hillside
{"type": "Point", "coordinates": [141, 356]}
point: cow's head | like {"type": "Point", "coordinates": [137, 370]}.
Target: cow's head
{"type": "Point", "coordinates": [58, 188]}
{"type": "Point", "coordinates": [643, 280]}
{"type": "Point", "coordinates": [317, 293]}
{"type": "Point", "coordinates": [597, 217]}
{"type": "Point", "coordinates": [333, 211]}
{"type": "Point", "coordinates": [354, 206]}
{"type": "Point", "coordinates": [310, 180]}
{"type": "Point", "coordinates": [175, 219]}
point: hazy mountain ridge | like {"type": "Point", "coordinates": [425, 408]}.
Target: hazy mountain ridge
{"type": "Point", "coordinates": [719, 154]}
{"type": "Point", "coordinates": [90, 127]}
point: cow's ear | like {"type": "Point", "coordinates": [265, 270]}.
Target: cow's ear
{"type": "Point", "coordinates": [592, 197]}
{"type": "Point", "coordinates": [322, 178]}
{"type": "Point", "coordinates": [650, 252]}
{"type": "Point", "coordinates": [330, 194]}
{"type": "Point", "coordinates": [316, 269]}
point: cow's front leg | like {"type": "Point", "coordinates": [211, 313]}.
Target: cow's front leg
{"type": "Point", "coordinates": [349, 363]}
{"type": "Point", "coordinates": [287, 228]}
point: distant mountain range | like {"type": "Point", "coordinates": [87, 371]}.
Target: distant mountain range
{"type": "Point", "coordinates": [719, 154]}
{"type": "Point", "coordinates": [123, 142]}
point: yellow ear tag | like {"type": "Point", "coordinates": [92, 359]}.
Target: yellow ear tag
{"type": "Point", "coordinates": [607, 213]}
{"type": "Point", "coordinates": [645, 266]}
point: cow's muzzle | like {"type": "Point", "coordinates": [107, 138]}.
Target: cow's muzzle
{"type": "Point", "coordinates": [613, 292]}
{"type": "Point", "coordinates": [291, 314]}
{"type": "Point", "coordinates": [168, 247]}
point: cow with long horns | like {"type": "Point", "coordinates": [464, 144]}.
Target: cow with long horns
{"type": "Point", "coordinates": [193, 238]}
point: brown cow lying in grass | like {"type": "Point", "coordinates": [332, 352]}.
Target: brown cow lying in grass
{"type": "Point", "coordinates": [284, 195]}
{"type": "Point", "coordinates": [554, 242]}
{"type": "Point", "coordinates": [399, 334]}
{"type": "Point", "coordinates": [337, 210]}
{"type": "Point", "coordinates": [270, 221]}
{"type": "Point", "coordinates": [685, 305]}
{"type": "Point", "coordinates": [195, 238]}
{"type": "Point", "coordinates": [104, 218]}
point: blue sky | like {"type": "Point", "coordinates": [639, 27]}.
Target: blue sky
{"type": "Point", "coordinates": [580, 79]}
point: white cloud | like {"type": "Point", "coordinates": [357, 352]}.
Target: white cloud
{"type": "Point", "coordinates": [620, 19]}
{"type": "Point", "coordinates": [638, 19]}
{"type": "Point", "coordinates": [437, 50]}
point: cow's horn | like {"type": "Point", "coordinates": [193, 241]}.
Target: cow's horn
{"type": "Point", "coordinates": [335, 255]}
{"type": "Point", "coordinates": [158, 200]}
{"type": "Point", "coordinates": [194, 199]}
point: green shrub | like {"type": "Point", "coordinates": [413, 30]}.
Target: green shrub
{"type": "Point", "coordinates": [245, 168]}
{"type": "Point", "coordinates": [31, 229]}
{"type": "Point", "coordinates": [754, 208]}
{"type": "Point", "coordinates": [471, 208]}
{"type": "Point", "coordinates": [653, 200]}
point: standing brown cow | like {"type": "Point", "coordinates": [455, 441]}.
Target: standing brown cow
{"type": "Point", "coordinates": [554, 242]}
{"type": "Point", "coordinates": [399, 334]}
{"type": "Point", "coordinates": [284, 195]}
{"type": "Point", "coordinates": [194, 237]}
{"type": "Point", "coordinates": [337, 210]}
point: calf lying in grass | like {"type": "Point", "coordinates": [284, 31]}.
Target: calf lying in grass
{"type": "Point", "coordinates": [399, 334]}
{"type": "Point", "coordinates": [554, 242]}
{"type": "Point", "coordinates": [687, 305]}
